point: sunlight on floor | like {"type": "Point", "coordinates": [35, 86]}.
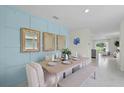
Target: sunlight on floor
{"type": "Point", "coordinates": [108, 73]}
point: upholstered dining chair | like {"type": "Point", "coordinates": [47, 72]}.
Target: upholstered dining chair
{"type": "Point", "coordinates": [37, 78]}
{"type": "Point", "coordinates": [31, 76]}
{"type": "Point", "coordinates": [85, 60]}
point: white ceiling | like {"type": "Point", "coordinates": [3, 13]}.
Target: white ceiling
{"type": "Point", "coordinates": [100, 19]}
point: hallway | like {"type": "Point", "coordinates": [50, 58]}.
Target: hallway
{"type": "Point", "coordinates": [107, 75]}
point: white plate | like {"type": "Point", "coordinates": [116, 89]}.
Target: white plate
{"type": "Point", "coordinates": [74, 56]}
{"type": "Point", "coordinates": [52, 63]}
{"type": "Point", "coordinates": [56, 60]}
{"type": "Point", "coordinates": [66, 62]}
{"type": "Point", "coordinates": [76, 59]}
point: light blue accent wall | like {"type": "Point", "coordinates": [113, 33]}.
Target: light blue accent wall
{"type": "Point", "coordinates": [12, 62]}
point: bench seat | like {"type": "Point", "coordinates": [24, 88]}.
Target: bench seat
{"type": "Point", "coordinates": [77, 79]}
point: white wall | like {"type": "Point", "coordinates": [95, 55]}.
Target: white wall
{"type": "Point", "coordinates": [122, 47]}
{"type": "Point", "coordinates": [93, 44]}
{"type": "Point", "coordinates": [84, 48]}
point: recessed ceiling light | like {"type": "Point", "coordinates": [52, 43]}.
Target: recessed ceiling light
{"type": "Point", "coordinates": [86, 10]}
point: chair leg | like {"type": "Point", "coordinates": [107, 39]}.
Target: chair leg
{"type": "Point", "coordinates": [64, 75]}
{"type": "Point", "coordinates": [58, 85]}
{"type": "Point", "coordinates": [94, 75]}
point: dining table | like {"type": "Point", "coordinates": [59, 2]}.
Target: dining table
{"type": "Point", "coordinates": [60, 68]}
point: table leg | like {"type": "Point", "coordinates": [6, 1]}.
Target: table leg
{"type": "Point", "coordinates": [94, 75]}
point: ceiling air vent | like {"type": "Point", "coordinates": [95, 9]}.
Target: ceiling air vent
{"type": "Point", "coordinates": [55, 17]}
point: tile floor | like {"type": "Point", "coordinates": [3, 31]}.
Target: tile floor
{"type": "Point", "coordinates": [108, 74]}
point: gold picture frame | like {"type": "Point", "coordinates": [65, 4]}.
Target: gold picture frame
{"type": "Point", "coordinates": [60, 42]}
{"type": "Point", "coordinates": [30, 40]}
{"type": "Point", "coordinates": [48, 41]}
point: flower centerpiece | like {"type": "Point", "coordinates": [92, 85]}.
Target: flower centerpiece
{"type": "Point", "coordinates": [66, 53]}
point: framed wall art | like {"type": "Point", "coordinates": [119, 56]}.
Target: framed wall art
{"type": "Point", "coordinates": [48, 41]}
